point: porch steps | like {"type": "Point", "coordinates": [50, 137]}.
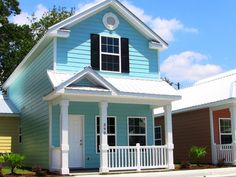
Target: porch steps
{"type": "Point", "coordinates": [217, 172]}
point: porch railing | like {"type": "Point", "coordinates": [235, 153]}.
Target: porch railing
{"type": "Point", "coordinates": [224, 152]}
{"type": "Point", "coordinates": [137, 157]}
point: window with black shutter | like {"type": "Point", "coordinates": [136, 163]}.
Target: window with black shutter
{"type": "Point", "coordinates": [109, 53]}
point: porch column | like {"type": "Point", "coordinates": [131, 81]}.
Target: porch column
{"type": "Point", "coordinates": [64, 137]}
{"type": "Point", "coordinates": [169, 136]}
{"type": "Point", "coordinates": [233, 129]}
{"type": "Point", "coordinates": [103, 138]}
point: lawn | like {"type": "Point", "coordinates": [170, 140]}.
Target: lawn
{"type": "Point", "coordinates": [7, 170]}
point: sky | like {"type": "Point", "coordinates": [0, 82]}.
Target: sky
{"type": "Point", "coordinates": [201, 33]}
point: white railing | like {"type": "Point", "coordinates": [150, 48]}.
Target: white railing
{"type": "Point", "coordinates": [137, 157]}
{"type": "Point", "coordinates": [224, 152]}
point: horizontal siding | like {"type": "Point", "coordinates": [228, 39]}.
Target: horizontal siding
{"type": "Point", "coordinates": [90, 111]}
{"type": "Point", "coordinates": [73, 53]}
{"type": "Point", "coordinates": [9, 131]}
{"type": "Point", "coordinates": [27, 94]}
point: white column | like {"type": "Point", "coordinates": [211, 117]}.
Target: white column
{"type": "Point", "coordinates": [213, 145]}
{"type": "Point", "coordinates": [64, 137]}
{"type": "Point", "coordinates": [233, 129]}
{"type": "Point", "coordinates": [169, 136]}
{"type": "Point", "coordinates": [50, 136]}
{"type": "Point", "coordinates": [103, 138]}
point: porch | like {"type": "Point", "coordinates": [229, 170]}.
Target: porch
{"type": "Point", "coordinates": [123, 154]}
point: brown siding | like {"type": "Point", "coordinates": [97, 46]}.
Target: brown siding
{"type": "Point", "coordinates": [189, 129]}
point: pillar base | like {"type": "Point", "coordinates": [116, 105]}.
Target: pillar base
{"type": "Point", "coordinates": [103, 170]}
{"type": "Point", "coordinates": [171, 167]}
{"type": "Point", "coordinates": [65, 171]}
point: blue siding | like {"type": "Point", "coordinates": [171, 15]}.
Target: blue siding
{"type": "Point", "coordinates": [56, 125]}
{"type": "Point", "coordinates": [73, 53]}
{"type": "Point", "coordinates": [121, 111]}
{"type": "Point", "coordinates": [27, 92]}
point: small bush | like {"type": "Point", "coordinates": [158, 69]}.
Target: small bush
{"type": "Point", "coordinates": [2, 161]}
{"type": "Point", "coordinates": [221, 163]}
{"type": "Point", "coordinates": [185, 164]}
{"type": "Point", "coordinates": [13, 160]}
{"type": "Point", "coordinates": [197, 153]}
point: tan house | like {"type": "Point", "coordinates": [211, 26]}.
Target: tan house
{"type": "Point", "coordinates": [9, 126]}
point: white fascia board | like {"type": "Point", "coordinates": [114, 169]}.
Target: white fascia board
{"type": "Point", "coordinates": [212, 106]}
{"type": "Point", "coordinates": [91, 73]}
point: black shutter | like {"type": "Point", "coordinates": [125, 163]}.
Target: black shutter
{"type": "Point", "coordinates": [124, 55]}
{"type": "Point", "coordinates": [95, 51]}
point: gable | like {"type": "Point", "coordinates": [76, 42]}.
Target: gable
{"type": "Point", "coordinates": [73, 53]}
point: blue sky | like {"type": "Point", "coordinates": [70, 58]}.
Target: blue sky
{"type": "Point", "coordinates": [200, 33]}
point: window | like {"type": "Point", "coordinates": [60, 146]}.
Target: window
{"type": "Point", "coordinates": [158, 135]}
{"type": "Point", "coordinates": [20, 135]}
{"type": "Point", "coordinates": [111, 131]}
{"type": "Point", "coordinates": [137, 131]}
{"type": "Point", "coordinates": [110, 54]}
{"type": "Point", "coordinates": [225, 131]}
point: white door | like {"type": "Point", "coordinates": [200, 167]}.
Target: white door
{"type": "Point", "coordinates": [75, 141]}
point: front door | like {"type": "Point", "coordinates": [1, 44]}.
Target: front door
{"type": "Point", "coordinates": [75, 141]}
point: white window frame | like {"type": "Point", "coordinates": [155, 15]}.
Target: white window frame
{"type": "Point", "coordinates": [98, 134]}
{"type": "Point", "coordinates": [155, 139]}
{"type": "Point", "coordinates": [220, 128]}
{"type": "Point", "coordinates": [107, 53]}
{"type": "Point", "coordinates": [137, 117]}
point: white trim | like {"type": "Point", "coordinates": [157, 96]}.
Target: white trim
{"type": "Point", "coordinates": [220, 128]}
{"type": "Point", "coordinates": [54, 53]}
{"type": "Point", "coordinates": [107, 132]}
{"type": "Point", "coordinates": [107, 53]}
{"type": "Point", "coordinates": [128, 134]}
{"type": "Point", "coordinates": [50, 136]}
{"type": "Point", "coordinates": [108, 26]}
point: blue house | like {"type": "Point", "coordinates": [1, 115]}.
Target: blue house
{"type": "Point", "coordinates": [86, 94]}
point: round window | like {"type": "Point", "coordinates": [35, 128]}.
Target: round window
{"type": "Point", "coordinates": [110, 21]}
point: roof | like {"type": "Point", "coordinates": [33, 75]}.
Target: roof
{"type": "Point", "coordinates": [7, 108]}
{"type": "Point", "coordinates": [130, 87]}
{"type": "Point", "coordinates": [54, 30]}
{"type": "Point", "coordinates": [206, 93]}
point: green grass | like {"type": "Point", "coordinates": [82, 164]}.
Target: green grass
{"type": "Point", "coordinates": [7, 170]}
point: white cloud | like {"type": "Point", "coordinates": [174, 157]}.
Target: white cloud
{"type": "Point", "coordinates": [163, 27]}
{"type": "Point", "coordinates": [23, 17]}
{"type": "Point", "coordinates": [188, 66]}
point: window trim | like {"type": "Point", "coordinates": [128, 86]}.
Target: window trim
{"type": "Point", "coordinates": [220, 128]}
{"type": "Point", "coordinates": [137, 117]}
{"type": "Point", "coordinates": [156, 126]}
{"type": "Point", "coordinates": [96, 134]}
{"type": "Point", "coordinates": [107, 53]}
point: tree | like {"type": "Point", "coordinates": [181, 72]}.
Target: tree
{"type": "Point", "coordinates": [16, 41]}
{"type": "Point", "coordinates": [53, 16]}
{"type": "Point", "coordinates": [8, 8]}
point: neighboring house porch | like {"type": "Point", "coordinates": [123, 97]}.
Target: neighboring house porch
{"type": "Point", "coordinates": [107, 123]}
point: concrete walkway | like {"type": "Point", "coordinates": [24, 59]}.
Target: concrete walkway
{"type": "Point", "coordinates": [217, 172]}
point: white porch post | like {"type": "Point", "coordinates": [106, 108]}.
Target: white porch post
{"type": "Point", "coordinates": [169, 136]}
{"type": "Point", "coordinates": [103, 138]}
{"type": "Point", "coordinates": [64, 137]}
{"type": "Point", "coordinates": [233, 129]}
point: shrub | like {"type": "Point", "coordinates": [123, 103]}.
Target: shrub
{"type": "Point", "coordinates": [221, 162]}
{"type": "Point", "coordinates": [14, 160]}
{"type": "Point", "coordinates": [2, 161]}
{"type": "Point", "coordinates": [197, 153]}
{"type": "Point", "coordinates": [185, 164]}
